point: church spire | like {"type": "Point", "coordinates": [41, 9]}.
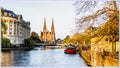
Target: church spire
{"type": "Point", "coordinates": [52, 27]}
{"type": "Point", "coordinates": [44, 27]}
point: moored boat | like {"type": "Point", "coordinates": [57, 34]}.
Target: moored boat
{"type": "Point", "coordinates": [70, 50]}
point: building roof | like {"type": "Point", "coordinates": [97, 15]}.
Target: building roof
{"type": "Point", "coordinates": [13, 15]}
{"type": "Point", "coordinates": [9, 11]}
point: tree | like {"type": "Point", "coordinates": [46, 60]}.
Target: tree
{"type": "Point", "coordinates": [59, 40]}
{"type": "Point", "coordinates": [67, 39]}
{"type": "Point", "coordinates": [2, 11]}
{"type": "Point", "coordinates": [6, 43]}
{"type": "Point", "coordinates": [76, 38]}
{"type": "Point", "coordinates": [29, 43]}
{"type": "Point", "coordinates": [106, 18]}
{"type": "Point", "coordinates": [35, 37]}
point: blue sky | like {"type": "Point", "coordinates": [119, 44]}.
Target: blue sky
{"type": "Point", "coordinates": [35, 11]}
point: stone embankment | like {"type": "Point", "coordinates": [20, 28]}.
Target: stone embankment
{"type": "Point", "coordinates": [98, 59]}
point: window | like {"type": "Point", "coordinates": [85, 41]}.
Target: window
{"type": "Point", "coordinates": [10, 27]}
{"type": "Point", "coordinates": [10, 33]}
{"type": "Point", "coordinates": [12, 15]}
{"type": "Point", "coordinates": [14, 26]}
{"type": "Point", "coordinates": [9, 14]}
{"type": "Point", "coordinates": [5, 14]}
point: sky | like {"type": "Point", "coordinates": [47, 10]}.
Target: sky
{"type": "Point", "coordinates": [62, 11]}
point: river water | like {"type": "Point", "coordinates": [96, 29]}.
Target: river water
{"type": "Point", "coordinates": [41, 58]}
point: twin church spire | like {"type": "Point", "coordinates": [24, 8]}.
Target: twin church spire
{"type": "Point", "coordinates": [48, 36]}
{"type": "Point", "coordinates": [45, 28]}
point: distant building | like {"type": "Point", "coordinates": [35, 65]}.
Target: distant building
{"type": "Point", "coordinates": [17, 28]}
{"type": "Point", "coordinates": [48, 36]}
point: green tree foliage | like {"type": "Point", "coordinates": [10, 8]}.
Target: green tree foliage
{"type": "Point", "coordinates": [83, 39]}
{"type": "Point", "coordinates": [76, 38]}
{"type": "Point", "coordinates": [29, 43]}
{"type": "Point", "coordinates": [67, 40]}
{"type": "Point", "coordinates": [6, 43]}
{"type": "Point", "coordinates": [2, 11]}
{"type": "Point", "coordinates": [35, 37]}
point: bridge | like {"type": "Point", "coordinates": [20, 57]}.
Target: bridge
{"type": "Point", "coordinates": [43, 44]}
{"type": "Point", "coordinates": [60, 44]}
{"type": "Point", "coordinates": [50, 46]}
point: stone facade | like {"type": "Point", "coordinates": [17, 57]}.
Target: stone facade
{"type": "Point", "coordinates": [17, 28]}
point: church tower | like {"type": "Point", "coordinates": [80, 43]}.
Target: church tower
{"type": "Point", "coordinates": [44, 27]}
{"type": "Point", "coordinates": [48, 36]}
{"type": "Point", "coordinates": [52, 32]}
{"type": "Point", "coordinates": [44, 30]}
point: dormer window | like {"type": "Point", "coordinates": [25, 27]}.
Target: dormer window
{"type": "Point", "coordinates": [5, 14]}
{"type": "Point", "coordinates": [12, 15]}
{"type": "Point", "coordinates": [9, 14]}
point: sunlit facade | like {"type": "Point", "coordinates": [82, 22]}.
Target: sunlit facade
{"type": "Point", "coordinates": [48, 36]}
{"type": "Point", "coordinates": [17, 28]}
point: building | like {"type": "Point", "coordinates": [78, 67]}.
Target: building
{"type": "Point", "coordinates": [48, 36]}
{"type": "Point", "coordinates": [17, 28]}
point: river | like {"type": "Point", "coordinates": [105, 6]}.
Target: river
{"type": "Point", "coordinates": [41, 58]}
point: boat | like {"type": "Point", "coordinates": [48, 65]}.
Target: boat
{"type": "Point", "coordinates": [70, 50]}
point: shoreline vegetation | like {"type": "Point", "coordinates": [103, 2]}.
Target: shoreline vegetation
{"type": "Point", "coordinates": [6, 44]}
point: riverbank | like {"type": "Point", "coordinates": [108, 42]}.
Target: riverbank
{"type": "Point", "coordinates": [106, 61]}
{"type": "Point", "coordinates": [21, 48]}
{"type": "Point", "coordinates": [86, 56]}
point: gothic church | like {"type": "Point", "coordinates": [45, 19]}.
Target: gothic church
{"type": "Point", "coordinates": [48, 36]}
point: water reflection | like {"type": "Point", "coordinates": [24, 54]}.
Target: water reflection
{"type": "Point", "coordinates": [41, 58]}
{"type": "Point", "coordinates": [15, 58]}
{"type": "Point", "coordinates": [5, 58]}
